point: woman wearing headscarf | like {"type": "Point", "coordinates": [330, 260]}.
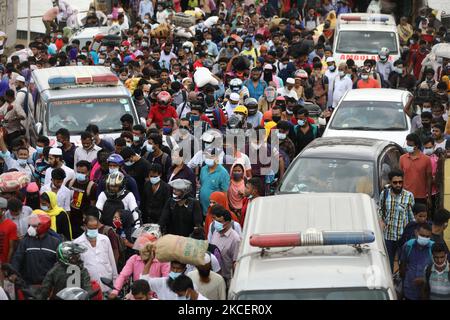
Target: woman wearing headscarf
{"type": "Point", "coordinates": [218, 198]}
{"type": "Point", "coordinates": [60, 222]}
{"type": "Point", "coordinates": [237, 187]}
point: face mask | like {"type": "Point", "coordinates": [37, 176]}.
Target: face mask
{"type": "Point", "coordinates": [136, 138]}
{"type": "Point", "coordinates": [174, 275]}
{"type": "Point", "coordinates": [426, 110]}
{"type": "Point", "coordinates": [341, 73]}
{"type": "Point", "coordinates": [167, 131]}
{"type": "Point", "coordinates": [289, 111]}
{"type": "Point", "coordinates": [281, 136]}
{"type": "Point", "coordinates": [175, 197]}
{"type": "Point", "coordinates": [145, 21]}
{"type": "Point", "coordinates": [209, 162]}
{"type": "Point", "coordinates": [442, 265]}
{"type": "Point", "coordinates": [383, 58]}
{"type": "Point", "coordinates": [155, 180]}
{"type": "Point", "coordinates": [113, 170]}
{"type": "Point", "coordinates": [59, 144]}
{"type": "Point", "coordinates": [117, 224]}
{"type": "Point", "coordinates": [145, 44]}
{"type": "Point", "coordinates": [331, 68]}
{"type": "Point", "coordinates": [45, 208]}
{"type": "Point", "coordinates": [129, 144]}
{"type": "Point", "coordinates": [128, 163]}
{"type": "Point", "coordinates": [399, 70]}
{"type": "Point", "coordinates": [22, 162]}
{"type": "Point", "coordinates": [409, 149]}
{"type": "Point", "coordinates": [365, 76]}
{"type": "Point", "coordinates": [423, 241]}
{"type": "Point", "coordinates": [81, 177]}
{"type": "Point", "coordinates": [428, 151]}
{"type": "Point", "coordinates": [39, 150]}
{"type": "Point", "coordinates": [101, 61]}
{"type": "Point", "coordinates": [218, 226]}
{"type": "Point", "coordinates": [184, 298]}
{"type": "Point", "coordinates": [149, 148]}
{"type": "Point", "coordinates": [92, 233]}
{"type": "Point", "coordinates": [301, 123]}
{"type": "Point", "coordinates": [177, 162]}
{"type": "Point", "coordinates": [32, 231]}
{"type": "Point", "coordinates": [237, 176]}
{"type": "Point", "coordinates": [194, 118]}
{"type": "Point", "coordinates": [276, 118]}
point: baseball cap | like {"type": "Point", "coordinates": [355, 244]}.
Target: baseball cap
{"type": "Point", "coordinates": [55, 152]}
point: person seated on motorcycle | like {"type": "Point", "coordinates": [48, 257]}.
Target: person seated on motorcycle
{"type": "Point", "coordinates": [141, 290]}
{"type": "Point", "coordinates": [237, 86]}
{"type": "Point", "coordinates": [116, 197]}
{"type": "Point", "coordinates": [60, 276]}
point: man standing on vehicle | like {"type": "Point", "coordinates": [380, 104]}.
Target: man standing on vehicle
{"type": "Point", "coordinates": [395, 212]}
{"type": "Point", "coordinates": [12, 114]}
{"type": "Point", "coordinates": [417, 169]}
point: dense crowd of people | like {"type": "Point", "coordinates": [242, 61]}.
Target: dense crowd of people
{"type": "Point", "coordinates": [268, 73]}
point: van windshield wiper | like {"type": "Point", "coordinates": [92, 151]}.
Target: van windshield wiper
{"type": "Point", "coordinates": [357, 128]}
{"type": "Point", "coordinates": [392, 129]}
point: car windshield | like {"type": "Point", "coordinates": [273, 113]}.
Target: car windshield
{"type": "Point", "coordinates": [77, 114]}
{"type": "Point", "coordinates": [369, 115]}
{"type": "Point", "coordinates": [316, 294]}
{"type": "Point", "coordinates": [329, 175]}
{"type": "Point", "coordinates": [368, 42]}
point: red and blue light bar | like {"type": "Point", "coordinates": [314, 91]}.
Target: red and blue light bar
{"type": "Point", "coordinates": [311, 238]}
{"type": "Point", "coordinates": [356, 18]}
{"type": "Point", "coordinates": [67, 81]}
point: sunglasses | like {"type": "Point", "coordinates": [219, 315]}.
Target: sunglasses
{"type": "Point", "coordinates": [397, 182]}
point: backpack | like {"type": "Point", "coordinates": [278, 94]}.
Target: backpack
{"type": "Point", "coordinates": [122, 246]}
{"type": "Point", "coordinates": [409, 247]}
{"type": "Point", "coordinates": [110, 207]}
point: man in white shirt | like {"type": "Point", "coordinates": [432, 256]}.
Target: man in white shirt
{"type": "Point", "coordinates": [63, 194]}
{"type": "Point", "coordinates": [55, 160]}
{"type": "Point", "coordinates": [232, 103]}
{"type": "Point", "coordinates": [184, 288]}
{"type": "Point", "coordinates": [288, 90]}
{"type": "Point", "coordinates": [88, 150]}
{"type": "Point", "coordinates": [331, 74]}
{"type": "Point", "coordinates": [99, 257]}
{"type": "Point", "coordinates": [210, 284]}
{"type": "Point", "coordinates": [342, 83]}
{"type": "Point", "coordinates": [22, 155]}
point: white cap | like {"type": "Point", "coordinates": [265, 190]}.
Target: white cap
{"type": "Point", "coordinates": [268, 67]}
{"type": "Point", "coordinates": [330, 59]}
{"type": "Point", "coordinates": [186, 79]}
{"type": "Point", "coordinates": [20, 78]}
{"type": "Point", "coordinates": [234, 96]}
{"type": "Point", "coordinates": [55, 152]}
{"type": "Point", "coordinates": [207, 258]}
{"type": "Point", "coordinates": [290, 81]}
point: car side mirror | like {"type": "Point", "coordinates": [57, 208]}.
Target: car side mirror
{"type": "Point", "coordinates": [38, 127]}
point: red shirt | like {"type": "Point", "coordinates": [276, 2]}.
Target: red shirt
{"type": "Point", "coordinates": [372, 83]}
{"type": "Point", "coordinates": [8, 232]}
{"type": "Point", "coordinates": [157, 114]}
{"type": "Point", "coordinates": [198, 64]}
{"type": "Point", "coordinates": [416, 170]}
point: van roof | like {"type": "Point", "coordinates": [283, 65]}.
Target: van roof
{"type": "Point", "coordinates": [41, 76]}
{"type": "Point", "coordinates": [309, 267]}
{"type": "Point", "coordinates": [366, 18]}
{"type": "Point", "coordinates": [89, 33]}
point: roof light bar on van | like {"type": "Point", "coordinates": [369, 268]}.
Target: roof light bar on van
{"type": "Point", "coordinates": [70, 81]}
{"type": "Point", "coordinates": [311, 238]}
{"type": "Point", "coordinates": [353, 18]}
{"type": "Point", "coordinates": [59, 81]}
{"type": "Point", "coordinates": [106, 79]}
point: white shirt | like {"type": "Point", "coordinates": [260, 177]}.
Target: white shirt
{"type": "Point", "coordinates": [440, 145]}
{"type": "Point", "coordinates": [3, 295]}
{"type": "Point", "coordinates": [160, 287]}
{"type": "Point", "coordinates": [172, 140]}
{"type": "Point", "coordinates": [63, 196]}
{"type": "Point", "coordinates": [330, 76]}
{"type": "Point", "coordinates": [21, 220]}
{"type": "Point", "coordinates": [287, 93]}
{"type": "Point", "coordinates": [129, 202]}
{"type": "Point", "coordinates": [13, 164]}
{"type": "Point", "coordinates": [197, 159]}
{"type": "Point", "coordinates": [69, 174]}
{"type": "Point", "coordinates": [341, 86]}
{"type": "Point", "coordinates": [230, 109]}
{"type": "Point", "coordinates": [83, 154]}
{"type": "Point", "coordinates": [98, 260]}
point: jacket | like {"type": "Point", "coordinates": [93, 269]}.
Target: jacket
{"type": "Point", "coordinates": [152, 204]}
{"type": "Point", "coordinates": [34, 257]}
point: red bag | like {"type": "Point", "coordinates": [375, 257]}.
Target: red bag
{"type": "Point", "coordinates": [13, 181]}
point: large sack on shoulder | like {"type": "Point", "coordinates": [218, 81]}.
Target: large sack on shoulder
{"type": "Point", "coordinates": [211, 21]}
{"type": "Point", "coordinates": [182, 249]}
{"type": "Point", "coordinates": [203, 76]}
{"type": "Point", "coordinates": [13, 181]}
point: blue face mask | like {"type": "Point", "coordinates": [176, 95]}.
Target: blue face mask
{"type": "Point", "coordinates": [136, 138]}
{"type": "Point", "coordinates": [218, 226]}
{"type": "Point", "coordinates": [174, 275]}
{"type": "Point", "coordinates": [409, 149]}
{"type": "Point", "coordinates": [81, 177]}
{"type": "Point", "coordinates": [128, 163]}
{"type": "Point", "coordinates": [92, 233]}
{"type": "Point", "coordinates": [209, 162]}
{"type": "Point", "coordinates": [149, 148]}
{"type": "Point", "coordinates": [39, 150]}
{"type": "Point", "coordinates": [113, 170]}
{"type": "Point", "coordinates": [422, 241]}
{"type": "Point", "coordinates": [301, 123]}
{"type": "Point", "coordinates": [167, 131]}
{"type": "Point", "coordinates": [195, 118]}
{"type": "Point", "coordinates": [22, 162]}
{"type": "Point", "coordinates": [45, 208]}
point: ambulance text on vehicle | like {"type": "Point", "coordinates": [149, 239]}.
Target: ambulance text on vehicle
{"type": "Point", "coordinates": [359, 36]}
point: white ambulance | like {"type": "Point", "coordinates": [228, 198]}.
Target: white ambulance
{"type": "Point", "coordinates": [359, 36]}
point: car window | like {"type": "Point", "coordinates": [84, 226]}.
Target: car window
{"type": "Point", "coordinates": [329, 175]}
{"type": "Point", "coordinates": [369, 116]}
{"type": "Point", "coordinates": [389, 161]}
{"type": "Point", "coordinates": [365, 41]}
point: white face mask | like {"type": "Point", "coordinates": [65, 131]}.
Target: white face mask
{"type": "Point", "coordinates": [32, 231]}
{"type": "Point", "coordinates": [428, 151]}
{"type": "Point", "coordinates": [364, 76]}
{"type": "Point", "coordinates": [341, 73]}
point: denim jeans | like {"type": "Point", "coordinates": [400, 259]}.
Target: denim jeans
{"type": "Point", "coordinates": [392, 247]}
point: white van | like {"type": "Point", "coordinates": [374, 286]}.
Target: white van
{"type": "Point", "coordinates": [360, 36]}
{"type": "Point", "coordinates": [326, 246]}
{"type": "Point", "coordinates": [76, 96]}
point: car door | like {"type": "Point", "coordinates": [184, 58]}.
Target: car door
{"type": "Point", "coordinates": [389, 160]}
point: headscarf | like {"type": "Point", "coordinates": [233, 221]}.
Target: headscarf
{"type": "Point", "coordinates": [53, 211]}
{"type": "Point", "coordinates": [221, 199]}
{"type": "Point", "coordinates": [235, 187]}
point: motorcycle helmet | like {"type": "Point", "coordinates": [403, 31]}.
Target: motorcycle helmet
{"type": "Point", "coordinates": [69, 252]}
{"type": "Point", "coordinates": [115, 158]}
{"type": "Point", "coordinates": [383, 54]}
{"type": "Point", "coordinates": [164, 98]}
{"type": "Point", "coordinates": [252, 106]}
{"type": "Point", "coordinates": [181, 186]}
{"type": "Point", "coordinates": [115, 185]}
{"type": "Point", "coordinates": [236, 85]}
{"type": "Point", "coordinates": [270, 93]}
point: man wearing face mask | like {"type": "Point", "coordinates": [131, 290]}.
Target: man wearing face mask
{"type": "Point", "coordinates": [36, 252]}
{"type": "Point", "coordinates": [437, 275]}
{"type": "Point", "coordinates": [384, 66]}
{"type": "Point", "coordinates": [424, 131]}
{"type": "Point", "coordinates": [232, 103]}
{"type": "Point", "coordinates": [267, 100]}
{"type": "Point", "coordinates": [22, 155]}
{"type": "Point", "coordinates": [341, 84]}
{"type": "Point", "coordinates": [331, 74]}
{"type": "Point", "coordinates": [88, 150]}
{"type": "Point", "coordinates": [136, 167]}
{"type": "Point", "coordinates": [400, 79]}
{"type": "Point", "coordinates": [155, 194]}
{"type": "Point", "coordinates": [55, 160]}
{"type": "Point", "coordinates": [162, 109]}
{"type": "Point", "coordinates": [184, 289]}
{"type": "Point", "coordinates": [98, 249]}
{"type": "Point", "coordinates": [254, 115]}
{"type": "Point", "coordinates": [304, 132]}
{"type": "Point", "coordinates": [181, 213]}
{"type": "Point", "coordinates": [138, 139]}
{"type": "Point", "coordinates": [145, 7]}
{"type": "Point", "coordinates": [414, 257]}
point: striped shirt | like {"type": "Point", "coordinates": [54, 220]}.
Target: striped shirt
{"type": "Point", "coordinates": [211, 114]}
{"type": "Point", "coordinates": [396, 212]}
{"type": "Point", "coordinates": [439, 284]}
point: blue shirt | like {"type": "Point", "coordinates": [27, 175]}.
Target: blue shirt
{"type": "Point", "coordinates": [255, 92]}
{"type": "Point", "coordinates": [417, 260]}
{"type": "Point", "coordinates": [218, 180]}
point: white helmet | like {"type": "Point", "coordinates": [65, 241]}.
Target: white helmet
{"type": "Point", "coordinates": [384, 53]}
{"type": "Point", "coordinates": [236, 85]}
{"type": "Point", "coordinates": [188, 45]}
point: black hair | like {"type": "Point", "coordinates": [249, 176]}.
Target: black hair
{"type": "Point", "coordinates": [86, 135]}
{"type": "Point", "coordinates": [283, 125]}
{"type": "Point", "coordinates": [140, 287]}
{"type": "Point", "coordinates": [441, 217]}
{"type": "Point", "coordinates": [64, 133]}
{"type": "Point", "coordinates": [127, 118]}
{"type": "Point", "coordinates": [43, 139]}
{"type": "Point", "coordinates": [419, 207]}
{"type": "Point", "coordinates": [428, 140]}
{"type": "Point", "coordinates": [438, 247]}
{"type": "Point", "coordinates": [169, 119]}
{"type": "Point", "coordinates": [257, 184]}
{"type": "Point", "coordinates": [14, 204]}
{"type": "Point", "coordinates": [426, 115]}
{"type": "Point", "coordinates": [139, 127]}
{"type": "Point", "coordinates": [182, 283]}
{"type": "Point", "coordinates": [84, 163]}
{"type": "Point", "coordinates": [301, 110]}
{"type": "Point", "coordinates": [120, 142]}
{"type": "Point", "coordinates": [10, 93]}
{"type": "Point", "coordinates": [395, 173]}
{"type": "Point", "coordinates": [157, 139]}
{"type": "Point", "coordinates": [219, 211]}
{"type": "Point", "coordinates": [58, 174]}
{"type": "Point", "coordinates": [424, 226]}
{"type": "Point", "coordinates": [93, 128]}
{"type": "Point", "coordinates": [439, 126]}
{"type": "Point", "coordinates": [198, 234]}
{"type": "Point", "coordinates": [413, 137]}
{"type": "Point", "coordinates": [155, 167]}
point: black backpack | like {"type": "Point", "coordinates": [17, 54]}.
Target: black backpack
{"type": "Point", "coordinates": [110, 207]}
